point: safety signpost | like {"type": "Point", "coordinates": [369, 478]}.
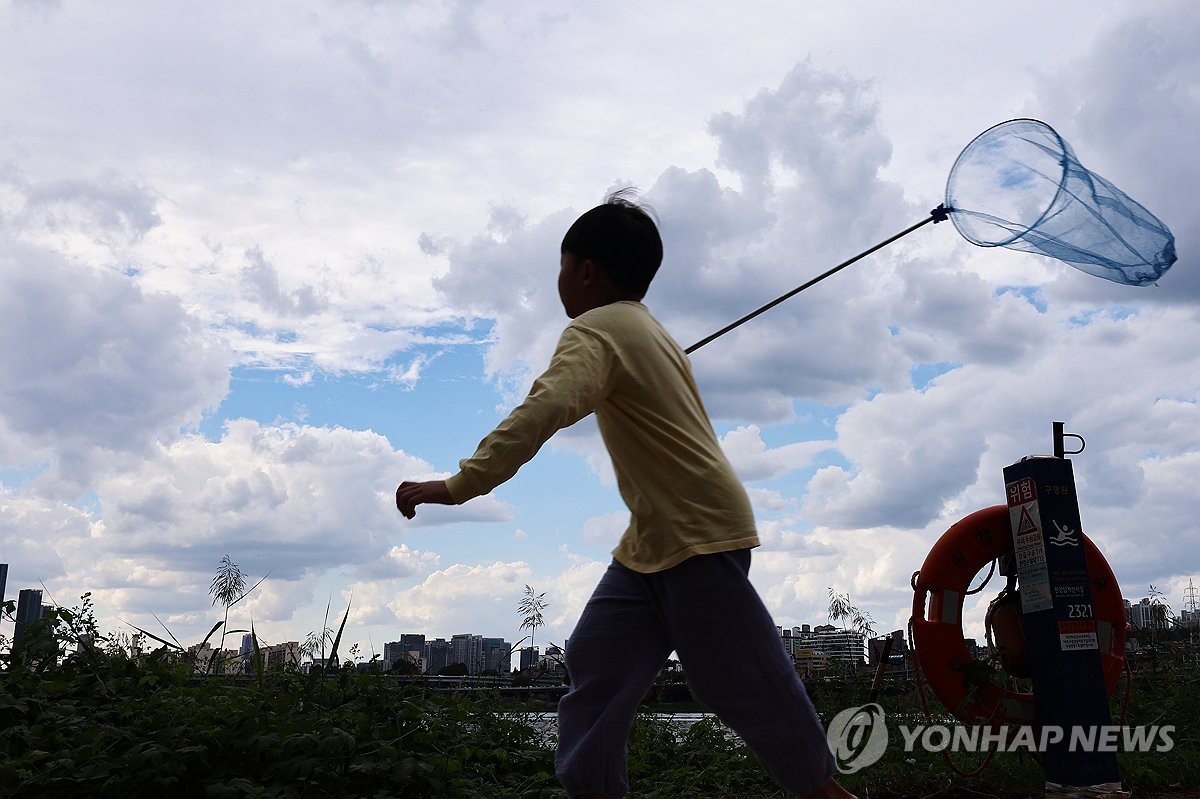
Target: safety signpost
{"type": "Point", "coordinates": [1063, 636]}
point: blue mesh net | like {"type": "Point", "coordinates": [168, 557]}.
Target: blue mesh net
{"type": "Point", "coordinates": [1019, 185]}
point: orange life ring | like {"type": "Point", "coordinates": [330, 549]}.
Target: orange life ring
{"type": "Point", "coordinates": [944, 579]}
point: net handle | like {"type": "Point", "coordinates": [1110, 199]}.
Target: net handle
{"type": "Point", "coordinates": [939, 214]}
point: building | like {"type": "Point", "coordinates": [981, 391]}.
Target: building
{"type": "Point", "coordinates": [437, 655]}
{"type": "Point", "coordinates": [555, 660]}
{"type": "Point", "coordinates": [529, 658]}
{"type": "Point", "coordinates": [394, 652]}
{"type": "Point", "coordinates": [3, 580]}
{"type": "Point", "coordinates": [810, 662]}
{"type": "Point", "coordinates": [497, 655]}
{"type": "Point", "coordinates": [280, 656]}
{"type": "Point", "coordinates": [842, 646]}
{"type": "Point", "coordinates": [409, 649]}
{"type": "Point", "coordinates": [246, 652]}
{"type": "Point", "coordinates": [796, 639]}
{"type": "Point", "coordinates": [1146, 615]}
{"type": "Point", "coordinates": [29, 610]}
{"type": "Point", "coordinates": [899, 662]}
{"type": "Point", "coordinates": [212, 661]}
{"type": "Point", "coordinates": [815, 649]}
{"type": "Point", "coordinates": [467, 648]}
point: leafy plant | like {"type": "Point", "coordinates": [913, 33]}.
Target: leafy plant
{"type": "Point", "coordinates": [530, 609]}
{"type": "Point", "coordinates": [841, 610]}
{"type": "Point", "coordinates": [102, 721]}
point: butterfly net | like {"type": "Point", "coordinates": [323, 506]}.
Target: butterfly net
{"type": "Point", "coordinates": [1019, 185]}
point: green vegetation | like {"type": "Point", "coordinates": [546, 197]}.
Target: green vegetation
{"type": "Point", "coordinates": [80, 716]}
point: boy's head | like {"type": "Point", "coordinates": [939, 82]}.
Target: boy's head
{"type": "Point", "coordinates": [621, 238]}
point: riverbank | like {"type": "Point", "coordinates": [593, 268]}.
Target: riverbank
{"type": "Point", "coordinates": [108, 726]}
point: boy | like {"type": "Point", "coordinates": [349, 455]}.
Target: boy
{"type": "Point", "coordinates": [678, 580]}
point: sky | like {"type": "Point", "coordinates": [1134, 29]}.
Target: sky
{"type": "Point", "coordinates": [259, 263]}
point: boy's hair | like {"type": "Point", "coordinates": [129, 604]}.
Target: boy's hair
{"type": "Point", "coordinates": [622, 238]}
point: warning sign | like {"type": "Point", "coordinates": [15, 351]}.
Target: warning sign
{"type": "Point", "coordinates": [1077, 635]}
{"type": "Point", "coordinates": [1021, 491]}
{"type": "Point", "coordinates": [1029, 557]}
{"type": "Point", "coordinates": [1026, 523]}
{"type": "Point", "coordinates": [1077, 642]}
{"type": "Point", "coordinates": [1027, 542]}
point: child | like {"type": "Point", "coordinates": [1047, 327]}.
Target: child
{"type": "Point", "coordinates": [678, 581]}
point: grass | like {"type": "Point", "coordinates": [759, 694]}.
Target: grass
{"type": "Point", "coordinates": [99, 723]}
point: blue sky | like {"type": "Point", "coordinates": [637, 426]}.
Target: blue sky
{"type": "Point", "coordinates": [261, 263]}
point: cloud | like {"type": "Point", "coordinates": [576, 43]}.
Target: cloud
{"type": "Point", "coordinates": [363, 189]}
{"type": "Point", "coordinates": [287, 498]}
{"type": "Point", "coordinates": [262, 281]}
{"type": "Point", "coordinates": [754, 461]}
{"type": "Point", "coordinates": [92, 364]}
{"type": "Point", "coordinates": [725, 249]}
{"type": "Point", "coordinates": [292, 501]}
{"type": "Point", "coordinates": [445, 600]}
{"type": "Point", "coordinates": [605, 530]}
{"type": "Point", "coordinates": [527, 313]}
{"type": "Point", "coordinates": [79, 213]}
{"type": "Point", "coordinates": [1128, 103]}
{"type": "Point", "coordinates": [36, 558]}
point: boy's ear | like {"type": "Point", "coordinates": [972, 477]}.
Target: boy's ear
{"type": "Point", "coordinates": [588, 270]}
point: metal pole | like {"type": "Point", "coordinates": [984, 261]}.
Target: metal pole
{"type": "Point", "coordinates": [939, 214]}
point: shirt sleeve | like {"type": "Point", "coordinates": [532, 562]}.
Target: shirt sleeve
{"type": "Point", "coordinates": [577, 379]}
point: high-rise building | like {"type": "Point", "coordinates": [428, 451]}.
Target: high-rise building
{"type": "Point", "coordinates": [279, 656]}
{"type": "Point", "coordinates": [496, 655]}
{"type": "Point", "coordinates": [413, 641]}
{"type": "Point", "coordinates": [3, 580]}
{"type": "Point", "coordinates": [437, 655]}
{"type": "Point", "coordinates": [245, 654]}
{"type": "Point", "coordinates": [467, 648]}
{"type": "Point", "coordinates": [847, 646]}
{"type": "Point", "coordinates": [796, 639]}
{"type": "Point", "coordinates": [29, 610]}
{"type": "Point", "coordinates": [555, 659]}
{"type": "Point", "coordinates": [529, 658]}
{"type": "Point", "coordinates": [411, 651]}
{"type": "Point", "coordinates": [412, 647]}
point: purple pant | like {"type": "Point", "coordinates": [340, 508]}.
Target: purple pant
{"type": "Point", "coordinates": [706, 610]}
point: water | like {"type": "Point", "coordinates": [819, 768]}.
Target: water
{"type": "Point", "coordinates": [546, 723]}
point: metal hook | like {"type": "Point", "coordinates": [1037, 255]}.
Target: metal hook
{"type": "Point", "coordinates": [1060, 449]}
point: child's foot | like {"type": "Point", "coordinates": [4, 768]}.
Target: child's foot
{"type": "Point", "coordinates": [831, 790]}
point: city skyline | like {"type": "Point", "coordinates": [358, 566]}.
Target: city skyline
{"type": "Point", "coordinates": [1149, 612]}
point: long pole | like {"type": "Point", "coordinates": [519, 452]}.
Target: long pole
{"type": "Point", "coordinates": [938, 214]}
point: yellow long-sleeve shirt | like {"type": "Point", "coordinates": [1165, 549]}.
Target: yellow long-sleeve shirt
{"type": "Point", "coordinates": [619, 362]}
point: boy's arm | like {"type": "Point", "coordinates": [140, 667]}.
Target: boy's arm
{"type": "Point", "coordinates": [409, 495]}
{"type": "Point", "coordinates": [569, 389]}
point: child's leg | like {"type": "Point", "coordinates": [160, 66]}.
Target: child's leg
{"type": "Point", "coordinates": [614, 654]}
{"type": "Point", "coordinates": [735, 663]}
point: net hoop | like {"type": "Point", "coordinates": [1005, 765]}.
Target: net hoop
{"type": "Point", "coordinates": [1019, 185]}
{"type": "Point", "coordinates": [987, 135]}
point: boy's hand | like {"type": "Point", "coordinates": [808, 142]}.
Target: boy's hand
{"type": "Point", "coordinates": [410, 495]}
